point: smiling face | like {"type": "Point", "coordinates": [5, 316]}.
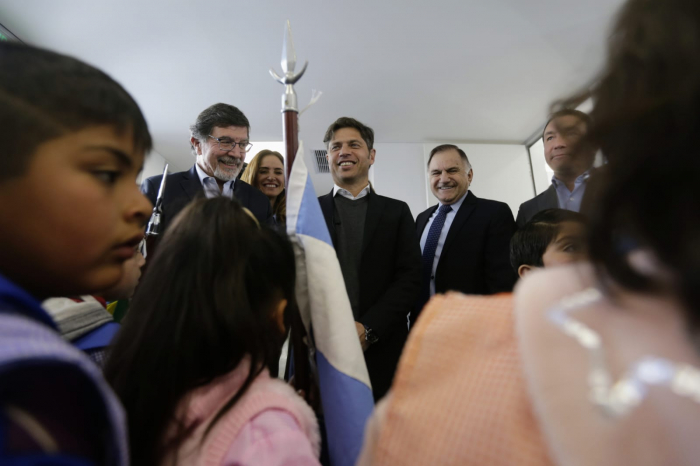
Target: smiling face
{"type": "Point", "coordinates": [222, 165]}
{"type": "Point", "coordinates": [450, 176]}
{"type": "Point", "coordinates": [349, 158]}
{"type": "Point", "coordinates": [77, 214]}
{"type": "Point", "coordinates": [270, 179]}
{"type": "Point", "coordinates": [563, 148]}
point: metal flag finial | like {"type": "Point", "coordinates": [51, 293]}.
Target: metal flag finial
{"type": "Point", "coordinates": [289, 61]}
{"type": "Point", "coordinates": [290, 109]}
{"type": "Point", "coordinates": [289, 57]}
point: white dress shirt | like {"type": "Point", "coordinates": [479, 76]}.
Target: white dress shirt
{"type": "Point", "coordinates": [443, 236]}
{"type": "Point", "coordinates": [348, 195]}
{"type": "Point", "coordinates": [211, 187]}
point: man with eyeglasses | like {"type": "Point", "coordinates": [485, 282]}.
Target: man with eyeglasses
{"type": "Point", "coordinates": [219, 141]}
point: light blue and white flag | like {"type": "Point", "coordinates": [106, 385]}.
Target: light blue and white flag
{"type": "Point", "coordinates": [346, 394]}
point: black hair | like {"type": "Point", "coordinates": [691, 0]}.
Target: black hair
{"type": "Point", "coordinates": [528, 244]}
{"type": "Point", "coordinates": [365, 131]}
{"type": "Point", "coordinates": [646, 120]}
{"type": "Point", "coordinates": [205, 302]}
{"type": "Point", "coordinates": [446, 147]}
{"type": "Point", "coordinates": [582, 117]}
{"type": "Point", "coordinates": [217, 115]}
{"type": "Point", "coordinates": [45, 95]}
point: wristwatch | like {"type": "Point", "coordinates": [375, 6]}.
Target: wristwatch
{"type": "Point", "coordinates": [370, 336]}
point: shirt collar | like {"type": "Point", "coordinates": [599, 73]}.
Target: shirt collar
{"type": "Point", "coordinates": [347, 194]}
{"type": "Point", "coordinates": [458, 204]}
{"type": "Point", "coordinates": [203, 176]}
{"type": "Point", "coordinates": [581, 178]}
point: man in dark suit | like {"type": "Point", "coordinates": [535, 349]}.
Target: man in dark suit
{"type": "Point", "coordinates": [569, 158]}
{"type": "Point", "coordinates": [219, 142]}
{"type": "Point", "coordinates": [375, 240]}
{"type": "Point", "coordinates": [465, 241]}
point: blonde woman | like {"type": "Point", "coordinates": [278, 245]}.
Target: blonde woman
{"type": "Point", "coordinates": [266, 172]}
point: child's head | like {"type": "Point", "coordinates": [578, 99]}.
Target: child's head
{"type": "Point", "coordinates": [124, 289]}
{"type": "Point", "coordinates": [213, 294]}
{"type": "Point", "coordinates": [73, 142]}
{"type": "Point", "coordinates": [551, 237]}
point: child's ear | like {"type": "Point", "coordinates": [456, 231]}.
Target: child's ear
{"type": "Point", "coordinates": [525, 269]}
{"type": "Point", "coordinates": [278, 315]}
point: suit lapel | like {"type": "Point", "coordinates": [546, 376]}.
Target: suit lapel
{"type": "Point", "coordinates": [550, 200]}
{"type": "Point", "coordinates": [327, 208]}
{"type": "Point", "coordinates": [375, 207]}
{"type": "Point", "coordinates": [241, 192]}
{"type": "Point", "coordinates": [423, 218]}
{"type": "Point", "coordinates": [190, 183]}
{"type": "Point", "coordinates": [463, 214]}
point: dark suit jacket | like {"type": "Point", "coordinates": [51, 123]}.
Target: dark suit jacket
{"type": "Point", "coordinates": [389, 280]}
{"type": "Point", "coordinates": [476, 256]}
{"type": "Point", "coordinates": [546, 200]}
{"type": "Point", "coordinates": [183, 187]}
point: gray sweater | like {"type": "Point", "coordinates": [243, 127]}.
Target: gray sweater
{"type": "Point", "coordinates": [349, 217]}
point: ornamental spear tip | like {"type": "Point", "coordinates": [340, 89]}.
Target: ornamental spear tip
{"type": "Point", "coordinates": [289, 58]}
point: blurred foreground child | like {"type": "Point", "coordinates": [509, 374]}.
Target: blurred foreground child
{"type": "Point", "coordinates": [72, 143]}
{"type": "Point", "coordinates": [191, 363]}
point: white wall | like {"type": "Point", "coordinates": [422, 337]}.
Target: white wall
{"type": "Point", "coordinates": [399, 172]}
{"type": "Point", "coordinates": [323, 183]}
{"type": "Point", "coordinates": [540, 170]}
{"type": "Point", "coordinates": [153, 165]}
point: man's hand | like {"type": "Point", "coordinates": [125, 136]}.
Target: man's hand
{"type": "Point", "coordinates": [361, 334]}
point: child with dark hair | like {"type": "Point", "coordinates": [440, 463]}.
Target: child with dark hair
{"type": "Point", "coordinates": [73, 142]}
{"type": "Point", "coordinates": [552, 237]}
{"type": "Point", "coordinates": [192, 362]}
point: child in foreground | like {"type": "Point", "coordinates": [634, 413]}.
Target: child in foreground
{"type": "Point", "coordinates": [191, 363]}
{"type": "Point", "coordinates": [73, 142]}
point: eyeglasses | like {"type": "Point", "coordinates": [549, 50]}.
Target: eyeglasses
{"type": "Point", "coordinates": [227, 145]}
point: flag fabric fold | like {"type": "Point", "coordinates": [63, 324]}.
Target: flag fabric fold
{"type": "Point", "coordinates": [346, 394]}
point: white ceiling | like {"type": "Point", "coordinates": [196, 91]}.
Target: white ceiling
{"type": "Point", "coordinates": [443, 70]}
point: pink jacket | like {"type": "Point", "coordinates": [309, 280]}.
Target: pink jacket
{"type": "Point", "coordinates": [270, 425]}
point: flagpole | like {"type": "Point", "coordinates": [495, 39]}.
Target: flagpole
{"type": "Point", "coordinates": [290, 133]}
{"type": "Point", "coordinates": [290, 108]}
{"type": "Point", "coordinates": [329, 365]}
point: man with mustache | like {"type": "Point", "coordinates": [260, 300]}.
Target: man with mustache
{"type": "Point", "coordinates": [219, 141]}
{"type": "Point", "coordinates": [375, 239]}
{"type": "Point", "coordinates": [569, 158]}
{"type": "Point", "coordinates": [465, 240]}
